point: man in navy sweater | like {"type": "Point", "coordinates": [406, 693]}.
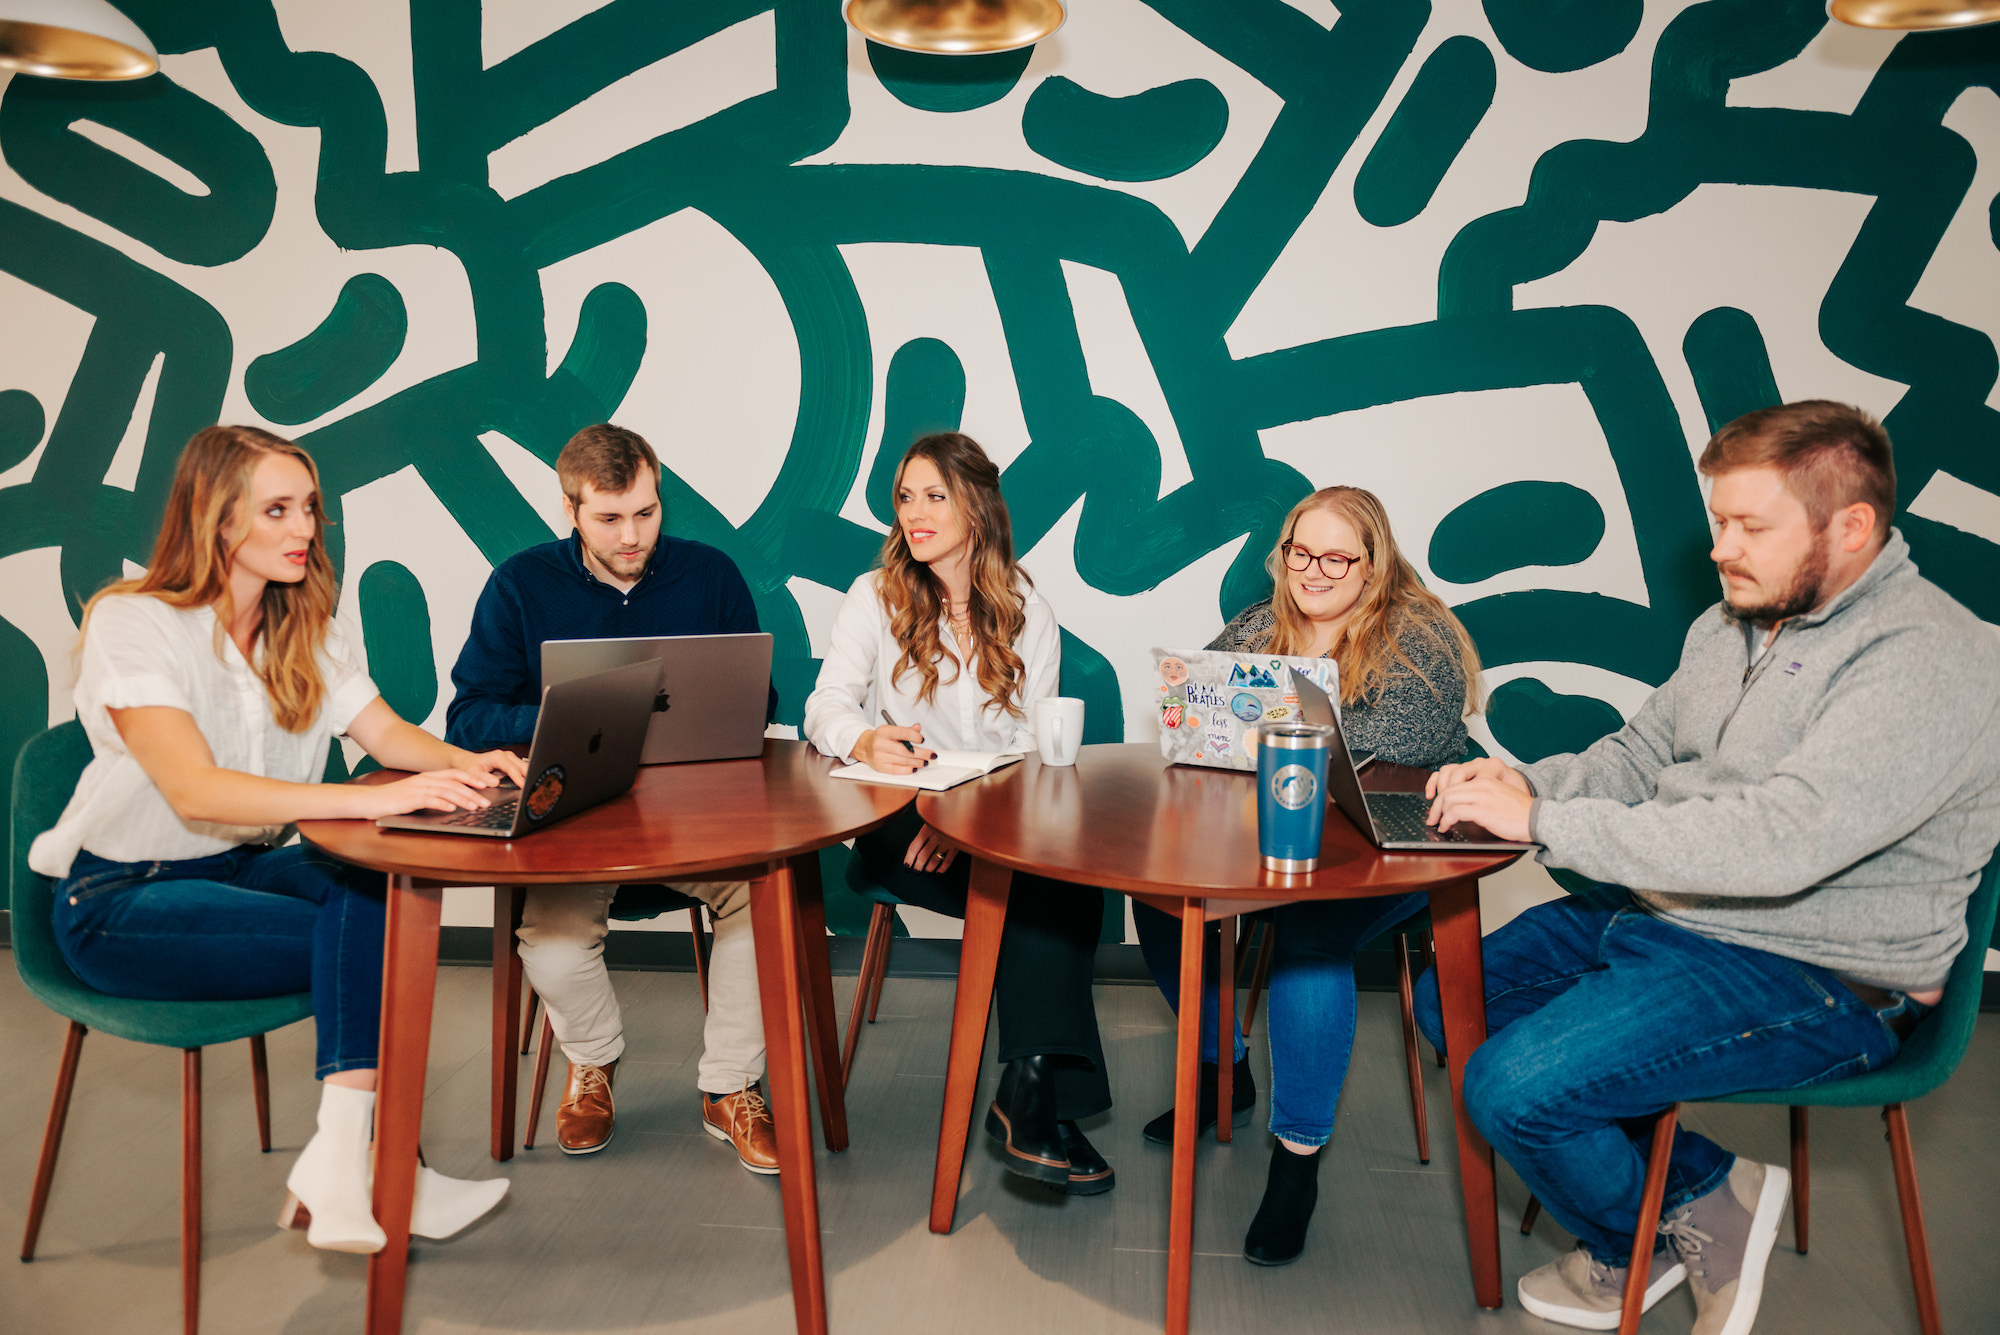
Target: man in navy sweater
{"type": "Point", "coordinates": [617, 575]}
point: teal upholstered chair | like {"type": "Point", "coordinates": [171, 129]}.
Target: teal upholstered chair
{"type": "Point", "coordinates": [1926, 1061]}
{"type": "Point", "coordinates": [874, 957]}
{"type": "Point", "coordinates": [45, 775]}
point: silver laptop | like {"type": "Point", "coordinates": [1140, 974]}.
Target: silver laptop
{"type": "Point", "coordinates": [586, 751]}
{"type": "Point", "coordinates": [713, 690]}
{"type": "Point", "coordinates": [1391, 820]}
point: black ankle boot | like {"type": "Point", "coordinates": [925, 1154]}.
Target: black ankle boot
{"type": "Point", "coordinates": [1089, 1174]}
{"type": "Point", "coordinates": [1022, 1117]}
{"type": "Point", "coordinates": [1278, 1234]}
{"type": "Point", "coordinates": [1242, 1098]}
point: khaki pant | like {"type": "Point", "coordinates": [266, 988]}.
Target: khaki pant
{"type": "Point", "coordinates": [562, 951]}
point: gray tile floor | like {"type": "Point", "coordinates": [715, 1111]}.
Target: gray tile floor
{"type": "Point", "coordinates": [663, 1232]}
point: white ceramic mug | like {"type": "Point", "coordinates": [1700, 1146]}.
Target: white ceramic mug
{"type": "Point", "coordinates": [1058, 729]}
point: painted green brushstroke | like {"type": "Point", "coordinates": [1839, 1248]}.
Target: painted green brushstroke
{"type": "Point", "coordinates": [1442, 108]}
{"type": "Point", "coordinates": [1557, 36]}
{"type": "Point", "coordinates": [396, 627]}
{"type": "Point", "coordinates": [1535, 722]}
{"type": "Point", "coordinates": [1145, 137]}
{"type": "Point", "coordinates": [1732, 371]}
{"type": "Point", "coordinates": [21, 426]}
{"type": "Point", "coordinates": [947, 83]}
{"type": "Point", "coordinates": [350, 350]}
{"type": "Point", "coordinates": [925, 392]}
{"type": "Point", "coordinates": [1515, 525]}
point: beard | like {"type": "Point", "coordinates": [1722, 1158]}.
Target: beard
{"type": "Point", "coordinates": [624, 567]}
{"type": "Point", "coordinates": [1800, 594]}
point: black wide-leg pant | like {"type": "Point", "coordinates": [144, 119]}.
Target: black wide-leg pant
{"type": "Point", "coordinates": [1047, 952]}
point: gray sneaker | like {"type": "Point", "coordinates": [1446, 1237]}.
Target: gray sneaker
{"type": "Point", "coordinates": [1724, 1239]}
{"type": "Point", "coordinates": [1580, 1290]}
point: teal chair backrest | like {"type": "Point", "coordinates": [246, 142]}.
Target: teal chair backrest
{"type": "Point", "coordinates": [45, 774]}
{"type": "Point", "coordinates": [1934, 1049]}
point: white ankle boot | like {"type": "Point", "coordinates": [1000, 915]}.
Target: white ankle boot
{"type": "Point", "coordinates": [444, 1205]}
{"type": "Point", "coordinates": [331, 1177]}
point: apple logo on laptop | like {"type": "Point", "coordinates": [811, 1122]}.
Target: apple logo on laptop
{"type": "Point", "coordinates": [661, 703]}
{"type": "Point", "coordinates": [596, 740]}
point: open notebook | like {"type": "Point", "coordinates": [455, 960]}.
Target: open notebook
{"type": "Point", "coordinates": [950, 769]}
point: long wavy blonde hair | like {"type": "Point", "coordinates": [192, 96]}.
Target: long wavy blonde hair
{"type": "Point", "coordinates": [915, 598]}
{"type": "Point", "coordinates": [1394, 604]}
{"type": "Point", "coordinates": [192, 556]}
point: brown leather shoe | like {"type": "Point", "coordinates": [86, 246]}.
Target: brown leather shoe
{"type": "Point", "coordinates": [586, 1117]}
{"type": "Point", "coordinates": [744, 1120]}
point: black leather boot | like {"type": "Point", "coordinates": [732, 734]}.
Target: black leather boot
{"type": "Point", "coordinates": [1089, 1174]}
{"type": "Point", "coordinates": [1022, 1117]}
{"type": "Point", "coordinates": [1278, 1234]}
{"type": "Point", "coordinates": [1242, 1097]}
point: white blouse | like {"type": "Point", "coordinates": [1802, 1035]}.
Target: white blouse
{"type": "Point", "coordinates": [854, 686]}
{"type": "Point", "coordinates": [140, 652]}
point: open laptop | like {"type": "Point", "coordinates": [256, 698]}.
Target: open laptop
{"type": "Point", "coordinates": [1391, 820]}
{"type": "Point", "coordinates": [712, 690]}
{"type": "Point", "coordinates": [1211, 701]}
{"type": "Point", "coordinates": [586, 751]}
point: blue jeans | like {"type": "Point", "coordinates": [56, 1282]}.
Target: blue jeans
{"type": "Point", "coordinates": [1599, 1017]}
{"type": "Point", "coordinates": [1311, 1007]}
{"type": "Point", "coordinates": [251, 922]}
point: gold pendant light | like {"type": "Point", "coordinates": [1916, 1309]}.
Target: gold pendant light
{"type": "Point", "coordinates": [72, 39]}
{"type": "Point", "coordinates": [955, 27]}
{"type": "Point", "coordinates": [1914, 15]}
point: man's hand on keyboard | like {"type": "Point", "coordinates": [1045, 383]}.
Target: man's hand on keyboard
{"type": "Point", "coordinates": [1483, 792]}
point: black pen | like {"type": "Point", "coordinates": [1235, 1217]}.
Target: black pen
{"type": "Point", "coordinates": [892, 723]}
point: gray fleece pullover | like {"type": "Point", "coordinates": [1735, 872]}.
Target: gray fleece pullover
{"type": "Point", "coordinates": [1832, 799]}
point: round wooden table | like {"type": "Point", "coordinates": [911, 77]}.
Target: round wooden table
{"type": "Point", "coordinates": [1185, 841]}
{"type": "Point", "coordinates": [761, 820]}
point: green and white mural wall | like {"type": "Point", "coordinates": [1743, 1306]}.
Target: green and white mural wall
{"type": "Point", "coordinates": [1505, 263]}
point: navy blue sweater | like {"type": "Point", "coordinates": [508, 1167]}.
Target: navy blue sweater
{"type": "Point", "coordinates": [546, 593]}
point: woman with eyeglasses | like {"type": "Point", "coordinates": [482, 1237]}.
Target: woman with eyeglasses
{"type": "Point", "coordinates": [1408, 677]}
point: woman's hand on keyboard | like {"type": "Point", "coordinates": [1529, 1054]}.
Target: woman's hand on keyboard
{"type": "Point", "coordinates": [439, 790]}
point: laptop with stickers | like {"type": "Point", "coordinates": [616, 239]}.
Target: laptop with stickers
{"type": "Point", "coordinates": [1210, 702]}
{"type": "Point", "coordinates": [586, 751]}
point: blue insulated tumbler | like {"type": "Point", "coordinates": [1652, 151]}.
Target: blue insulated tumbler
{"type": "Point", "coordinates": [1291, 794]}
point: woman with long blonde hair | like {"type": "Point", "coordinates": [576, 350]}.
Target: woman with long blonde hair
{"type": "Point", "coordinates": [1408, 677]}
{"type": "Point", "coordinates": [947, 644]}
{"type": "Point", "coordinates": [211, 688]}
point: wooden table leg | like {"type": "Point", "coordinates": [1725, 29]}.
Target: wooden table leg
{"type": "Point", "coordinates": [1225, 1034]}
{"type": "Point", "coordinates": [1187, 1101]}
{"type": "Point", "coordinates": [822, 1030]}
{"type": "Point", "coordinates": [1462, 990]}
{"type": "Point", "coordinates": [774, 918]}
{"type": "Point", "coordinates": [979, 954]}
{"type": "Point", "coordinates": [409, 986]}
{"type": "Point", "coordinates": [506, 1010]}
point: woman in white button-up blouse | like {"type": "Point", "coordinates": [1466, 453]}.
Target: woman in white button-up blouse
{"type": "Point", "coordinates": [950, 641]}
{"type": "Point", "coordinates": [211, 688]}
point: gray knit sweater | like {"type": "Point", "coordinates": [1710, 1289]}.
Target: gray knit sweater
{"type": "Point", "coordinates": [1409, 721]}
{"type": "Point", "coordinates": [1832, 799]}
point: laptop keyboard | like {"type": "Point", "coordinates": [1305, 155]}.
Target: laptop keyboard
{"type": "Point", "coordinates": [499, 816]}
{"type": "Point", "coordinates": [1400, 819]}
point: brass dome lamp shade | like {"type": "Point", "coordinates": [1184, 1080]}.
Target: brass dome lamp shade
{"type": "Point", "coordinates": [72, 39]}
{"type": "Point", "coordinates": [955, 27]}
{"type": "Point", "coordinates": [1914, 15]}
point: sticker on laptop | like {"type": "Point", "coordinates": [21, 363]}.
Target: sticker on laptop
{"type": "Point", "coordinates": [546, 792]}
{"type": "Point", "coordinates": [1173, 671]}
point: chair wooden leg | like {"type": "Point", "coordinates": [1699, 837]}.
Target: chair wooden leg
{"type": "Point", "coordinates": [1411, 1062]}
{"type": "Point", "coordinates": [190, 1189]}
{"type": "Point", "coordinates": [863, 984]}
{"type": "Point", "coordinates": [1801, 1179]}
{"type": "Point", "coordinates": [1225, 1034]}
{"type": "Point", "coordinates": [1914, 1236]}
{"type": "Point", "coordinates": [541, 1079]}
{"type": "Point", "coordinates": [45, 1170]}
{"type": "Point", "coordinates": [528, 1020]}
{"type": "Point", "coordinates": [699, 929]}
{"type": "Point", "coordinates": [1531, 1214]}
{"type": "Point", "coordinates": [260, 1088]}
{"type": "Point", "coordinates": [1637, 1274]}
{"type": "Point", "coordinates": [882, 963]}
{"type": "Point", "coordinates": [1260, 975]}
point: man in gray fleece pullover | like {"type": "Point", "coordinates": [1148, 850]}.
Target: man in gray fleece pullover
{"type": "Point", "coordinates": [1801, 812]}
